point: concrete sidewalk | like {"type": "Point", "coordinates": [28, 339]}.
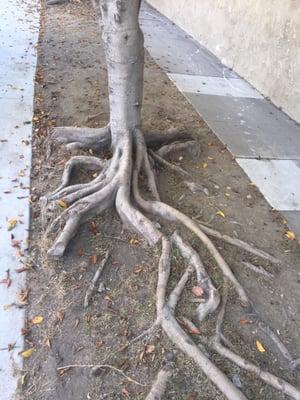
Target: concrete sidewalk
{"type": "Point", "coordinates": [264, 140]}
{"type": "Point", "coordinates": [19, 26]}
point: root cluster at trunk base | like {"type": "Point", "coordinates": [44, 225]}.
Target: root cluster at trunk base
{"type": "Point", "coordinates": [117, 183]}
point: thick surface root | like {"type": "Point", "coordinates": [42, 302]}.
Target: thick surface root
{"type": "Point", "coordinates": [118, 185]}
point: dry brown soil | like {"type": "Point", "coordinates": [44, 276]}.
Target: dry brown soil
{"type": "Point", "coordinates": [71, 90]}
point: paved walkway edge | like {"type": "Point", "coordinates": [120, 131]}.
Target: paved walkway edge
{"type": "Point", "coordinates": [19, 31]}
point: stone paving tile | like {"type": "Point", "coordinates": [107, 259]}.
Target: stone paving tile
{"type": "Point", "coordinates": [278, 180]}
{"type": "Point", "coordinates": [169, 47]}
{"type": "Point", "coordinates": [250, 127]}
{"type": "Point", "coordinates": [211, 85]}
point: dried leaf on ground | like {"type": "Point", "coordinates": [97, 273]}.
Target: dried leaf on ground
{"type": "Point", "coordinates": [62, 203]}
{"type": "Point", "coordinates": [27, 353]}
{"type": "Point", "coordinates": [290, 235]}
{"type": "Point", "coordinates": [37, 320]}
{"type": "Point", "coordinates": [220, 214]}
{"type": "Point", "coordinates": [11, 223]}
{"type": "Point", "coordinates": [260, 347]}
{"type": "Point", "coordinates": [197, 291]}
{"type": "Point", "coordinates": [150, 348]}
{"type": "Point", "coordinates": [93, 259]}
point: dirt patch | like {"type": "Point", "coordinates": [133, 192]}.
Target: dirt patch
{"type": "Point", "coordinates": [71, 90]}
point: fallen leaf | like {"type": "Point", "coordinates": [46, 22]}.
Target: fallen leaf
{"type": "Point", "coordinates": [80, 252]}
{"type": "Point", "coordinates": [99, 344]}
{"type": "Point", "coordinates": [11, 346]}
{"type": "Point", "coordinates": [245, 322]}
{"type": "Point", "coordinates": [63, 371]}
{"type": "Point", "coordinates": [290, 235]}
{"type": "Point", "coordinates": [93, 259]}
{"type": "Point", "coordinates": [37, 320]}
{"type": "Point", "coordinates": [60, 315]}
{"type": "Point", "coordinates": [47, 343]}
{"type": "Point", "coordinates": [76, 322]}
{"type": "Point", "coordinates": [260, 347]}
{"type": "Point", "coordinates": [197, 291]}
{"type": "Point", "coordinates": [11, 224]}
{"type": "Point", "coordinates": [220, 213]}
{"type": "Point", "coordinates": [134, 241]}
{"type": "Point", "coordinates": [27, 353]}
{"type": "Point", "coordinates": [149, 348]}
{"type": "Point", "coordinates": [25, 331]}
{"type": "Point", "coordinates": [23, 296]}
{"type": "Point", "coordinates": [7, 281]}
{"type": "Point", "coordinates": [22, 269]}
{"type": "Point", "coordinates": [16, 243]}
{"type": "Point", "coordinates": [62, 203]}
{"type": "Point", "coordinates": [192, 396]}
{"type": "Point", "coordinates": [93, 227]}
{"type": "Point", "coordinates": [204, 165]}
{"type": "Point", "coordinates": [137, 269]}
{"type": "Point", "coordinates": [125, 392]}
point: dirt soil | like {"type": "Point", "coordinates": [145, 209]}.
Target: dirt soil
{"type": "Point", "coordinates": [71, 91]}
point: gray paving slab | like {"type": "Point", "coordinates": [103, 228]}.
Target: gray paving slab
{"type": "Point", "coordinates": [293, 221]}
{"type": "Point", "coordinates": [216, 86]}
{"type": "Point", "coordinates": [18, 35]}
{"type": "Point", "coordinates": [169, 47]}
{"type": "Point", "coordinates": [278, 180]}
{"type": "Point", "coordinates": [250, 127]}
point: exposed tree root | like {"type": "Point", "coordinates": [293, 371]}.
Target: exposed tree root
{"type": "Point", "coordinates": [239, 243]}
{"type": "Point", "coordinates": [118, 183]}
{"type": "Point", "coordinates": [216, 344]}
{"type": "Point", "coordinates": [160, 384]}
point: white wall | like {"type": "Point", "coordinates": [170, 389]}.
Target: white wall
{"type": "Point", "coordinates": [259, 39]}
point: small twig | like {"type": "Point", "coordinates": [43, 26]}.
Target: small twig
{"type": "Point", "coordinates": [95, 369]}
{"type": "Point", "coordinates": [167, 164]}
{"type": "Point", "coordinates": [93, 284]}
{"type": "Point", "coordinates": [258, 270]}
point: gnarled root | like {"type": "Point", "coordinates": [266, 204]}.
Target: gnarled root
{"type": "Point", "coordinates": [118, 184]}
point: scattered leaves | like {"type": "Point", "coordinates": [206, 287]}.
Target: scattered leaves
{"type": "Point", "coordinates": [27, 353]}
{"type": "Point", "coordinates": [197, 291]}
{"type": "Point", "coordinates": [37, 320]}
{"type": "Point", "coordinates": [11, 223]}
{"type": "Point", "coordinates": [290, 235]}
{"type": "Point", "coordinates": [260, 347]}
{"type": "Point", "coordinates": [220, 213]}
